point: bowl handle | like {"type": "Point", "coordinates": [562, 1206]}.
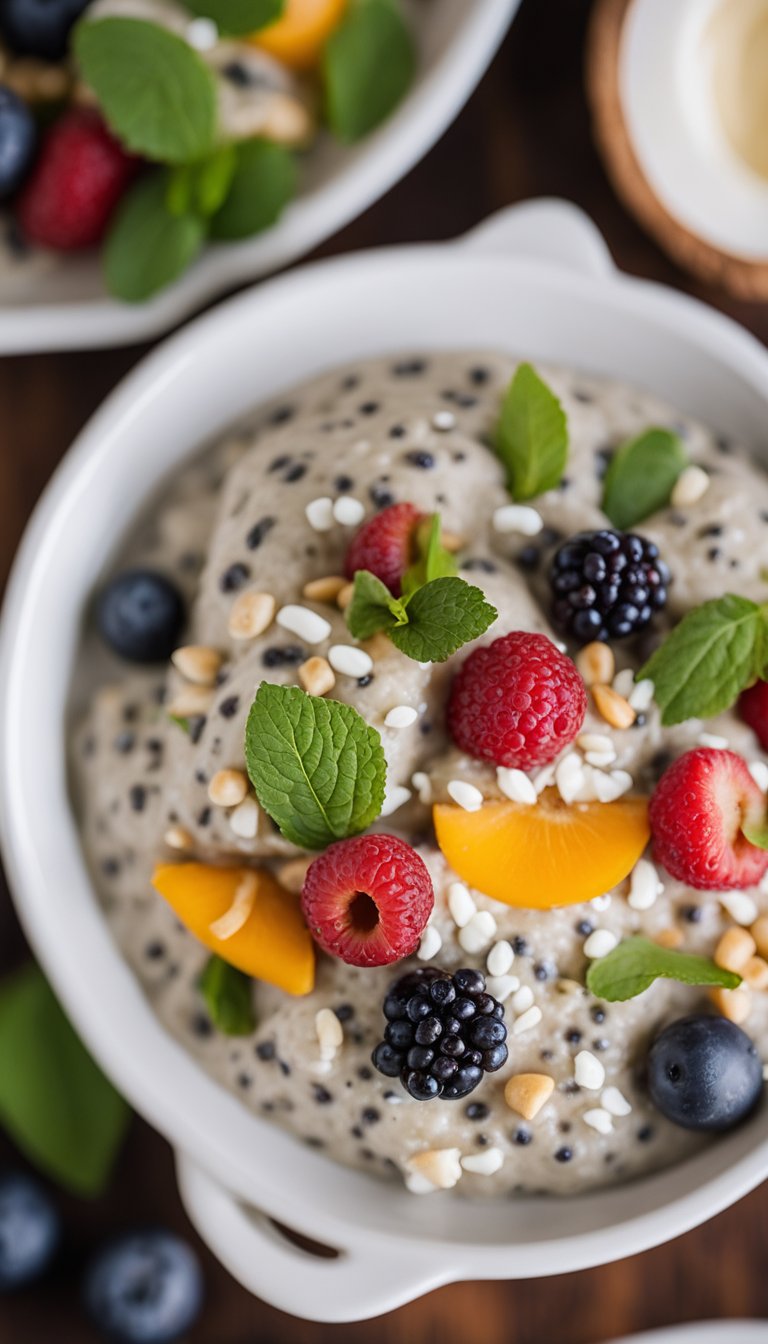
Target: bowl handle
{"type": "Point", "coordinates": [341, 1285]}
{"type": "Point", "coordinates": [545, 230]}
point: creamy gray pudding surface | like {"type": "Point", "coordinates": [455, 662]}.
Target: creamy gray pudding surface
{"type": "Point", "coordinates": [245, 516]}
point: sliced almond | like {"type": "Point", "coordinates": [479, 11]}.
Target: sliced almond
{"type": "Point", "coordinates": [228, 788]}
{"type": "Point", "coordinates": [596, 663]}
{"type": "Point", "coordinates": [526, 1093]}
{"type": "Point", "coordinates": [190, 702]}
{"type": "Point", "coordinates": [316, 676]}
{"type": "Point", "coordinates": [233, 919]}
{"type": "Point", "coordinates": [324, 590]}
{"type": "Point", "coordinates": [735, 949]}
{"type": "Point", "coordinates": [613, 707]}
{"type": "Point", "coordinates": [178, 837]}
{"type": "Point", "coordinates": [197, 663]}
{"type": "Point", "coordinates": [251, 614]}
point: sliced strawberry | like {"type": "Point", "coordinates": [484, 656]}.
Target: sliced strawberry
{"type": "Point", "coordinates": [753, 707]}
{"type": "Point", "coordinates": [697, 813]}
{"type": "Point", "coordinates": [384, 545]}
{"type": "Point", "coordinates": [367, 900]}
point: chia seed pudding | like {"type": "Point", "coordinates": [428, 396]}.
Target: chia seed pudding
{"type": "Point", "coordinates": [268, 510]}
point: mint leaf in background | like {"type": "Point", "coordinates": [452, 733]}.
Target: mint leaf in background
{"type": "Point", "coordinates": [532, 435]}
{"type": "Point", "coordinates": [641, 476]}
{"type": "Point", "coordinates": [757, 835]}
{"type": "Point", "coordinates": [56, 1104]}
{"type": "Point", "coordinates": [634, 965]}
{"type": "Point", "coordinates": [373, 607]}
{"type": "Point", "coordinates": [317, 767]}
{"type": "Point", "coordinates": [442, 616]}
{"type": "Point", "coordinates": [228, 995]}
{"type": "Point", "coordinates": [147, 246]}
{"type": "Point", "coordinates": [156, 93]}
{"type": "Point", "coordinates": [433, 560]}
{"type": "Point", "coordinates": [238, 16]}
{"type": "Point", "coordinates": [262, 184]}
{"type": "Point", "coordinates": [368, 65]}
{"type": "Point", "coordinates": [201, 188]}
{"type": "Point", "coordinates": [716, 651]}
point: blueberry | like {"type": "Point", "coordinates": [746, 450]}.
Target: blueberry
{"type": "Point", "coordinates": [29, 1230]}
{"type": "Point", "coordinates": [704, 1073]}
{"type": "Point", "coordinates": [39, 27]}
{"type": "Point", "coordinates": [145, 1288]}
{"type": "Point", "coordinates": [140, 615]}
{"type": "Point", "coordinates": [17, 141]}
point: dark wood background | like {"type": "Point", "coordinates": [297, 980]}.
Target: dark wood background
{"type": "Point", "coordinates": [524, 133]}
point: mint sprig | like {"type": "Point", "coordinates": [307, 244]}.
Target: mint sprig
{"type": "Point", "coordinates": [149, 245]}
{"type": "Point", "coordinates": [433, 561]}
{"type": "Point", "coordinates": [368, 65]}
{"type": "Point", "coordinates": [633, 966]}
{"type": "Point", "coordinates": [263, 181]}
{"type": "Point", "coordinates": [532, 435]}
{"type": "Point", "coordinates": [715, 653]}
{"type": "Point", "coordinates": [373, 608]}
{"type": "Point", "coordinates": [234, 17]}
{"type": "Point", "coordinates": [641, 476]}
{"type": "Point", "coordinates": [432, 623]}
{"type": "Point", "coordinates": [317, 767]}
{"type": "Point", "coordinates": [228, 995]}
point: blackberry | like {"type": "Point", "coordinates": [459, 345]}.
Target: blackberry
{"type": "Point", "coordinates": [606, 585]}
{"type": "Point", "coordinates": [443, 1033]}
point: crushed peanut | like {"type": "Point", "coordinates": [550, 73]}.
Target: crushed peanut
{"type": "Point", "coordinates": [178, 837]}
{"type": "Point", "coordinates": [735, 949]}
{"type": "Point", "coordinates": [345, 595]}
{"type": "Point", "coordinates": [759, 932]}
{"type": "Point", "coordinates": [613, 707]}
{"type": "Point", "coordinates": [755, 973]}
{"type": "Point", "coordinates": [735, 1004]}
{"type": "Point", "coordinates": [596, 663]}
{"type": "Point", "coordinates": [441, 1167]}
{"type": "Point", "coordinates": [190, 701]}
{"type": "Point", "coordinates": [671, 938]}
{"type": "Point", "coordinates": [197, 663]}
{"type": "Point", "coordinates": [228, 788]}
{"type": "Point", "coordinates": [292, 874]}
{"type": "Point", "coordinates": [526, 1093]}
{"type": "Point", "coordinates": [251, 614]}
{"type": "Point", "coordinates": [324, 590]}
{"type": "Point", "coordinates": [453, 541]}
{"type": "Point", "coordinates": [317, 676]}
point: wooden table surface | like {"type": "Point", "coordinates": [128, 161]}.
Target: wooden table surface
{"type": "Point", "coordinates": [524, 133]}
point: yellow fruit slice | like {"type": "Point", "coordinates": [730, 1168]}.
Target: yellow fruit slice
{"type": "Point", "coordinates": [546, 855]}
{"type": "Point", "coordinates": [245, 917]}
{"type": "Point", "coordinates": [297, 38]}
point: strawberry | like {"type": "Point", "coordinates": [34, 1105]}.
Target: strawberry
{"type": "Point", "coordinates": [701, 803]}
{"type": "Point", "coordinates": [367, 900]}
{"type": "Point", "coordinates": [753, 707]}
{"type": "Point", "coordinates": [384, 545]}
{"type": "Point", "coordinates": [73, 189]}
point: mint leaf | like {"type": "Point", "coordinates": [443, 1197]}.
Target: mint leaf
{"type": "Point", "coordinates": [641, 476]}
{"type": "Point", "coordinates": [56, 1104]}
{"type": "Point", "coordinates": [263, 182]}
{"type": "Point", "coordinates": [147, 246]}
{"type": "Point", "coordinates": [368, 65]}
{"type": "Point", "coordinates": [757, 834]}
{"type": "Point", "coordinates": [181, 722]}
{"type": "Point", "coordinates": [634, 965]}
{"type": "Point", "coordinates": [317, 767]}
{"type": "Point", "coordinates": [238, 16]}
{"type": "Point", "coordinates": [709, 658]}
{"type": "Point", "coordinates": [157, 94]}
{"type": "Point", "coordinates": [532, 435]}
{"type": "Point", "coordinates": [442, 616]}
{"type": "Point", "coordinates": [200, 188]}
{"type": "Point", "coordinates": [228, 997]}
{"type": "Point", "coordinates": [433, 560]}
{"type": "Point", "coordinates": [373, 607]}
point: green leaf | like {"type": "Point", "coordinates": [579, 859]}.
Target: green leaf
{"type": "Point", "coordinates": [433, 560]}
{"type": "Point", "coordinates": [757, 834]}
{"type": "Point", "coordinates": [373, 607]}
{"type": "Point", "coordinates": [716, 651]}
{"type": "Point", "coordinates": [634, 965]}
{"type": "Point", "coordinates": [641, 476]}
{"type": "Point", "coordinates": [148, 246]}
{"type": "Point", "coordinates": [233, 17]}
{"type": "Point", "coordinates": [181, 721]}
{"type": "Point", "coordinates": [442, 616]}
{"type": "Point", "coordinates": [368, 65]}
{"type": "Point", "coordinates": [532, 435]}
{"type": "Point", "coordinates": [263, 182]}
{"type": "Point", "coordinates": [228, 995]}
{"type": "Point", "coordinates": [200, 188]}
{"type": "Point", "coordinates": [157, 94]}
{"type": "Point", "coordinates": [56, 1104]}
{"type": "Point", "coordinates": [317, 767]}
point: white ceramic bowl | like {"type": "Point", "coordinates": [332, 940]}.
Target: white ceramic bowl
{"type": "Point", "coordinates": [64, 305]}
{"type": "Point", "coordinates": [536, 280]}
{"type": "Point", "coordinates": [705, 1332]}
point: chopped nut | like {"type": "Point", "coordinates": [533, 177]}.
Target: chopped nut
{"type": "Point", "coordinates": [735, 949]}
{"type": "Point", "coordinates": [613, 707]}
{"type": "Point", "coordinates": [197, 663]}
{"type": "Point", "coordinates": [378, 646]}
{"type": "Point", "coordinates": [440, 1166]}
{"type": "Point", "coordinates": [670, 937]}
{"type": "Point", "coordinates": [244, 819]}
{"type": "Point", "coordinates": [292, 874]}
{"type": "Point", "coordinates": [190, 701]}
{"type": "Point", "coordinates": [233, 919]}
{"type": "Point", "coordinates": [735, 1004]}
{"type": "Point", "coordinates": [324, 590]}
{"type": "Point", "coordinates": [755, 973]}
{"type": "Point", "coordinates": [345, 595]}
{"type": "Point", "coordinates": [596, 663]}
{"type": "Point", "coordinates": [317, 676]}
{"type": "Point", "coordinates": [38, 81]}
{"type": "Point", "coordinates": [251, 614]}
{"type": "Point", "coordinates": [759, 932]}
{"type": "Point", "coordinates": [453, 541]}
{"type": "Point", "coordinates": [178, 837]}
{"type": "Point", "coordinates": [329, 1033]}
{"type": "Point", "coordinates": [228, 788]}
{"type": "Point", "coordinates": [526, 1093]}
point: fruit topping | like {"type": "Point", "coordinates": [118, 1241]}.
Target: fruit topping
{"type": "Point", "coordinates": [140, 615]}
{"type": "Point", "coordinates": [753, 708]}
{"type": "Point", "coordinates": [545, 855]}
{"type": "Point", "coordinates": [367, 900]}
{"type": "Point", "coordinates": [606, 585]}
{"type": "Point", "coordinates": [384, 545]}
{"type": "Point", "coordinates": [704, 1073]}
{"type": "Point", "coordinates": [297, 38]}
{"type": "Point", "coordinates": [245, 917]}
{"type": "Point", "coordinates": [79, 177]}
{"type": "Point", "coordinates": [443, 1033]}
{"type": "Point", "coordinates": [39, 27]}
{"type": "Point", "coordinates": [517, 702]}
{"type": "Point", "coordinates": [144, 1288]}
{"type": "Point", "coordinates": [697, 814]}
{"type": "Point", "coordinates": [29, 1230]}
{"type": "Point", "coordinates": [17, 141]}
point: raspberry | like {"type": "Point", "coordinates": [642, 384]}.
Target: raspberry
{"type": "Point", "coordinates": [367, 900]}
{"type": "Point", "coordinates": [753, 707]}
{"type": "Point", "coordinates": [80, 175]}
{"type": "Point", "coordinates": [606, 585]}
{"type": "Point", "coordinates": [517, 702]}
{"type": "Point", "coordinates": [384, 544]}
{"type": "Point", "coordinates": [700, 805]}
{"type": "Point", "coordinates": [443, 1032]}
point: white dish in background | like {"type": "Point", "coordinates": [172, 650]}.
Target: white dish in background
{"type": "Point", "coordinates": [705, 1332]}
{"type": "Point", "coordinates": [60, 302]}
{"type": "Point", "coordinates": [536, 280]}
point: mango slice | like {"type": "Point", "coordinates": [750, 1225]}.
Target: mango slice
{"type": "Point", "coordinates": [245, 917]}
{"type": "Point", "coordinates": [544, 855]}
{"type": "Point", "coordinates": [297, 38]}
